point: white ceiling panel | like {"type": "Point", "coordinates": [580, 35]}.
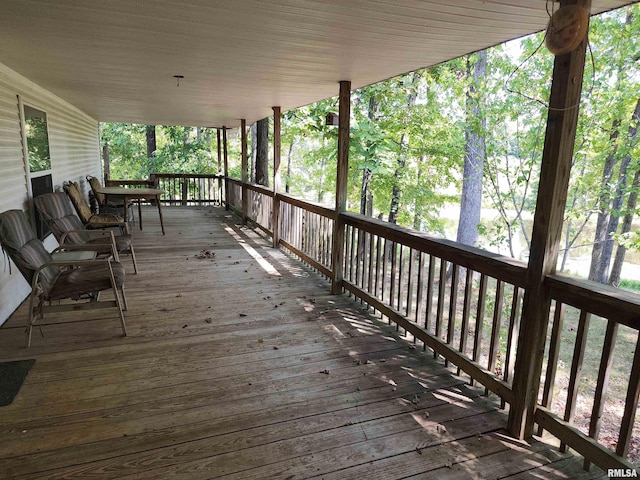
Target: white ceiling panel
{"type": "Point", "coordinates": [115, 59]}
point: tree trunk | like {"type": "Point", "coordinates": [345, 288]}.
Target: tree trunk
{"type": "Point", "coordinates": [151, 147]}
{"type": "Point", "coordinates": [417, 208]}
{"type": "Point", "coordinates": [262, 152]}
{"type": "Point", "coordinates": [396, 191]}
{"type": "Point", "coordinates": [621, 251]}
{"type": "Point", "coordinates": [632, 200]}
{"type": "Point", "coordinates": [366, 197]}
{"type": "Point", "coordinates": [323, 166]}
{"type": "Point", "coordinates": [475, 152]}
{"type": "Point", "coordinates": [254, 150]}
{"type": "Point", "coordinates": [288, 179]}
{"type": "Point", "coordinates": [598, 269]}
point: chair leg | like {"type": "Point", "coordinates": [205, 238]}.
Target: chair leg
{"type": "Point", "coordinates": [125, 305]}
{"type": "Point", "coordinates": [133, 258]}
{"type": "Point", "coordinates": [31, 321]}
{"type": "Point", "coordinates": [116, 294]}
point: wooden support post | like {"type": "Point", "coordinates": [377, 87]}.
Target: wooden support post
{"type": "Point", "coordinates": [559, 142]}
{"type": "Point", "coordinates": [219, 180]}
{"type": "Point", "coordinates": [337, 252]}
{"type": "Point", "coordinates": [226, 167]}
{"type": "Point", "coordinates": [245, 172]}
{"type": "Point", "coordinates": [275, 223]}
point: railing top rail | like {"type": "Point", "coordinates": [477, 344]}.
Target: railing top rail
{"type": "Point", "coordinates": [503, 268]}
{"type": "Point", "coordinates": [260, 189]}
{"type": "Point", "coordinates": [603, 300]}
{"type": "Point", "coordinates": [307, 205]}
{"type": "Point", "coordinates": [187, 175]}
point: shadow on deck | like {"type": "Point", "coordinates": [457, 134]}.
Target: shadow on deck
{"type": "Point", "coordinates": [242, 365]}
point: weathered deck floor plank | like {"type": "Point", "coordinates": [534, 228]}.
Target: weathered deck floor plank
{"type": "Point", "coordinates": [231, 370]}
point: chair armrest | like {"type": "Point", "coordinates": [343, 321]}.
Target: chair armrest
{"type": "Point", "coordinates": [69, 263]}
{"type": "Point", "coordinates": [107, 234]}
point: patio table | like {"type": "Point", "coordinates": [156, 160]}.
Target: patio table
{"type": "Point", "coordinates": [137, 194]}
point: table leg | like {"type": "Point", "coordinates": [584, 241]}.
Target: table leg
{"type": "Point", "coordinates": [160, 213]}
{"type": "Point", "coordinates": [125, 212]}
{"type": "Point", "coordinates": [140, 214]}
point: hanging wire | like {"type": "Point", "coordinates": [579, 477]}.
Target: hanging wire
{"type": "Point", "coordinates": [546, 105]}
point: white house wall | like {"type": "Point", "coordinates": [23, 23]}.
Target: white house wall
{"type": "Point", "coordinates": [74, 149]}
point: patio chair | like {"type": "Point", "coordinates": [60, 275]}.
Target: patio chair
{"type": "Point", "coordinates": [104, 204]}
{"type": "Point", "coordinates": [87, 217]}
{"type": "Point", "coordinates": [58, 212]}
{"type": "Point", "coordinates": [57, 280]}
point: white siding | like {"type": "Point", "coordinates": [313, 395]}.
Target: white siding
{"type": "Point", "coordinates": [74, 149]}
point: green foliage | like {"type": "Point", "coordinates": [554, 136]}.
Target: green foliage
{"type": "Point", "coordinates": [632, 285]}
{"type": "Point", "coordinates": [179, 150]}
{"type": "Point", "coordinates": [37, 140]}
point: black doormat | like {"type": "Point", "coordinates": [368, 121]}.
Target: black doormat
{"type": "Point", "coordinates": [12, 374]}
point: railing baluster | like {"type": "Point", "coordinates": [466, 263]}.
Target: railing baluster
{"type": "Point", "coordinates": [430, 281]}
{"type": "Point", "coordinates": [392, 295]}
{"type": "Point", "coordinates": [356, 258]}
{"type": "Point", "coordinates": [495, 329]}
{"type": "Point", "coordinates": [400, 277]}
{"type": "Point", "coordinates": [372, 238]}
{"type": "Point", "coordinates": [554, 352]}
{"type": "Point", "coordinates": [410, 283]}
{"type": "Point", "coordinates": [384, 252]}
{"type": "Point", "coordinates": [378, 263]}
{"type": "Point", "coordinates": [466, 307]}
{"type": "Point", "coordinates": [602, 385]}
{"type": "Point", "coordinates": [453, 307]}
{"type": "Point", "coordinates": [512, 338]}
{"type": "Point", "coordinates": [477, 341]}
{"type": "Point", "coordinates": [440, 307]}
{"type": "Point", "coordinates": [576, 369]}
{"type": "Point", "coordinates": [420, 287]}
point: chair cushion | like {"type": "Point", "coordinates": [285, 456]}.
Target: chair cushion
{"type": "Point", "coordinates": [26, 251]}
{"type": "Point", "coordinates": [95, 184]}
{"type": "Point", "coordinates": [32, 256]}
{"type": "Point", "coordinates": [79, 202]}
{"type": "Point", "coordinates": [15, 230]}
{"type": "Point", "coordinates": [83, 280]}
{"type": "Point", "coordinates": [101, 221]}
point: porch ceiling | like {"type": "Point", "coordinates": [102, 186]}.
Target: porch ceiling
{"type": "Point", "coordinates": [115, 59]}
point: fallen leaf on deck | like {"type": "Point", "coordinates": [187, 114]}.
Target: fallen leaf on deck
{"type": "Point", "coordinates": [260, 340]}
{"type": "Point", "coordinates": [419, 450]}
{"type": "Point", "coordinates": [205, 254]}
{"type": "Point", "coordinates": [326, 372]}
{"type": "Point", "coordinates": [179, 295]}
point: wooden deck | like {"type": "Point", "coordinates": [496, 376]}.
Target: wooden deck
{"type": "Point", "coordinates": [243, 366]}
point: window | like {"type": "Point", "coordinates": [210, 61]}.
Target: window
{"type": "Point", "coordinates": [37, 137]}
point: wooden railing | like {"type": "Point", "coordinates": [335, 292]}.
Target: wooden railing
{"type": "Point", "coordinates": [234, 199]}
{"type": "Point", "coordinates": [462, 302]}
{"type": "Point", "coordinates": [582, 309]}
{"type": "Point", "coordinates": [306, 229]}
{"type": "Point", "coordinates": [181, 188]}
